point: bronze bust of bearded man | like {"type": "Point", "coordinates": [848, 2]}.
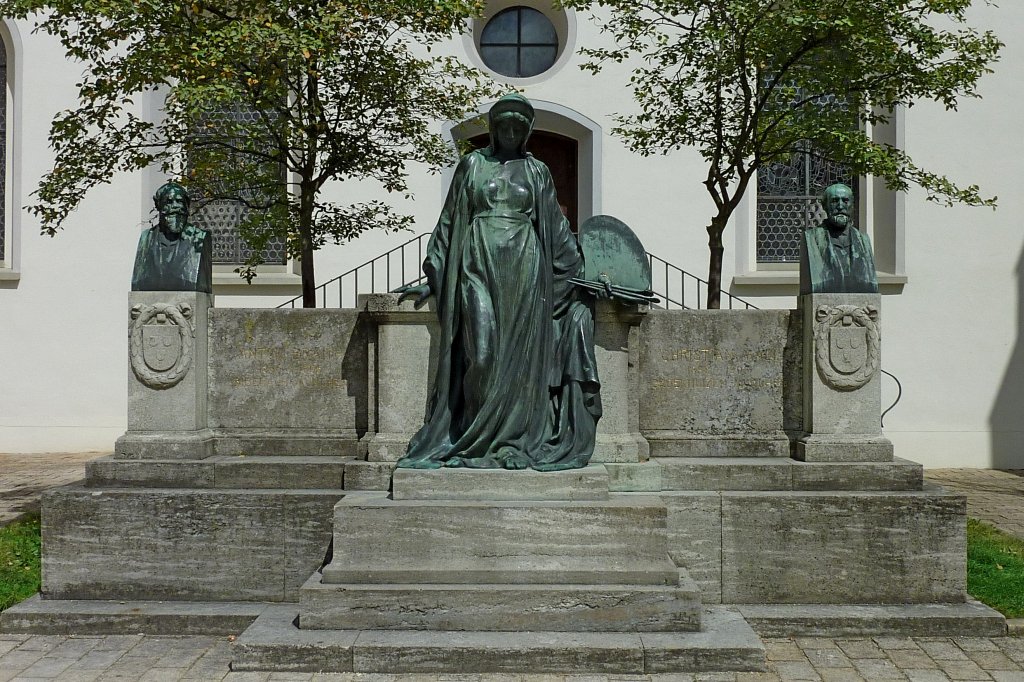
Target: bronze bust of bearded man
{"type": "Point", "coordinates": [173, 255]}
{"type": "Point", "coordinates": [836, 257]}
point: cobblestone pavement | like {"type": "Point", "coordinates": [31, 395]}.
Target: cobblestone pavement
{"type": "Point", "coordinates": [996, 497]}
{"type": "Point", "coordinates": [134, 657]}
{"type": "Point", "coordinates": [23, 478]}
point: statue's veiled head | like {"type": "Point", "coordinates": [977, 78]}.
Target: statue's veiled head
{"type": "Point", "coordinates": [837, 200]}
{"type": "Point", "coordinates": [511, 122]}
{"type": "Point", "coordinates": [172, 203]}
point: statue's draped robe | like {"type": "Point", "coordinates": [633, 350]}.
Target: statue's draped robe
{"type": "Point", "coordinates": [185, 264]}
{"type": "Point", "coordinates": [827, 268]}
{"type": "Point", "coordinates": [516, 374]}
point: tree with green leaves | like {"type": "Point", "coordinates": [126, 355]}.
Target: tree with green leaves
{"type": "Point", "coordinates": [749, 83]}
{"type": "Point", "coordinates": [265, 104]}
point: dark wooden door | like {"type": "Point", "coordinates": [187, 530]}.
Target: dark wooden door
{"type": "Point", "coordinates": [560, 154]}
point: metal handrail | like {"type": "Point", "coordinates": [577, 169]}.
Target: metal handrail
{"type": "Point", "coordinates": [391, 269]}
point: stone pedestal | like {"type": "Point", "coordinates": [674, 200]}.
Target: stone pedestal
{"type": "Point", "coordinates": [167, 376]}
{"type": "Point", "coordinates": [842, 385]}
{"type": "Point", "coordinates": [528, 552]}
{"type": "Point", "coordinates": [616, 348]}
{"type": "Point", "coordinates": [403, 360]}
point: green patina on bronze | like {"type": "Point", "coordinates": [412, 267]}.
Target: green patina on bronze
{"type": "Point", "coordinates": [836, 257]}
{"type": "Point", "coordinates": [173, 255]}
{"type": "Point", "coordinates": [516, 384]}
{"type": "Point", "coordinates": [616, 262]}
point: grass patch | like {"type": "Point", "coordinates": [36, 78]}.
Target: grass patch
{"type": "Point", "coordinates": [19, 561]}
{"type": "Point", "coordinates": [995, 568]}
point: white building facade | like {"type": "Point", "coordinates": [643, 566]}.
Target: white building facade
{"type": "Point", "coordinates": [952, 279]}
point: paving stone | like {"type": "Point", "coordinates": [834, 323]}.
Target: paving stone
{"type": "Point", "coordinates": [943, 650]}
{"type": "Point", "coordinates": [897, 643]}
{"type": "Point", "coordinates": [1007, 675]}
{"type": "Point", "coordinates": [963, 670]}
{"type": "Point", "coordinates": [42, 643]}
{"type": "Point", "coordinates": [783, 651]}
{"type": "Point", "coordinates": [48, 666]}
{"type": "Point", "coordinates": [163, 674]}
{"type": "Point", "coordinates": [758, 677]}
{"type": "Point", "coordinates": [840, 675]}
{"type": "Point", "coordinates": [912, 659]}
{"type": "Point", "coordinates": [828, 658]}
{"type": "Point", "coordinates": [99, 659]}
{"type": "Point", "coordinates": [796, 670]}
{"type": "Point", "coordinates": [975, 644]}
{"type": "Point", "coordinates": [80, 675]}
{"type": "Point", "coordinates": [861, 648]}
{"type": "Point", "coordinates": [815, 643]}
{"type": "Point", "coordinates": [993, 660]}
{"type": "Point", "coordinates": [935, 675]}
{"type": "Point", "coordinates": [877, 669]}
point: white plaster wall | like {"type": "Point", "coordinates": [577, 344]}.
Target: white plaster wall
{"type": "Point", "coordinates": [951, 334]}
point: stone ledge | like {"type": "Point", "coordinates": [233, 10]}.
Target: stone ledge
{"type": "Point", "coordinates": [588, 483]}
{"type": "Point", "coordinates": [94, 617]}
{"type": "Point", "coordinates": [274, 643]}
{"type": "Point", "coordinates": [844, 620]}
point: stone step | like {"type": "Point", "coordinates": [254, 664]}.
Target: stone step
{"type": "Point", "coordinates": [511, 608]}
{"type": "Point", "coordinates": [970, 618]}
{"type": "Point", "coordinates": [360, 475]}
{"type": "Point", "coordinates": [621, 540]}
{"type": "Point", "coordinates": [274, 643]}
{"type": "Point", "coordinates": [287, 472]}
{"type": "Point", "coordinates": [587, 483]}
{"type": "Point", "coordinates": [665, 443]}
{"type": "Point", "coordinates": [767, 474]}
{"type": "Point", "coordinates": [41, 616]}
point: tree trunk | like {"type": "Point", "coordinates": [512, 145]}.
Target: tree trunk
{"type": "Point", "coordinates": [715, 229]}
{"type": "Point", "coordinates": [306, 257]}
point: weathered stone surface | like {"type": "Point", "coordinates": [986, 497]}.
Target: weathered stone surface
{"type": "Point", "coordinates": [36, 615]}
{"type": "Point", "coordinates": [616, 349]}
{"type": "Point", "coordinates": [180, 407]}
{"type": "Point", "coordinates": [324, 473]}
{"type": "Point", "coordinates": [843, 548]}
{"type": "Point", "coordinates": [835, 620]}
{"type": "Point", "coordinates": [109, 471]}
{"type": "Point", "coordinates": [149, 544]}
{"type": "Point", "coordinates": [309, 473]}
{"type": "Point", "coordinates": [616, 541]}
{"type": "Point", "coordinates": [495, 652]}
{"type": "Point", "coordinates": [726, 642]}
{"type": "Point", "coordinates": [273, 642]}
{"type": "Point", "coordinates": [368, 475]}
{"type": "Point", "coordinates": [713, 372]}
{"type": "Point", "coordinates": [838, 410]}
{"type": "Point", "coordinates": [695, 539]}
{"type": "Point", "coordinates": [165, 445]}
{"type": "Point", "coordinates": [286, 370]}
{"type": "Point", "coordinates": [673, 443]}
{"type": "Point", "coordinates": [639, 477]}
{"type": "Point", "coordinates": [843, 448]}
{"type": "Point", "coordinates": [900, 474]}
{"type": "Point", "coordinates": [726, 473]}
{"type": "Point", "coordinates": [286, 442]}
{"type": "Point", "coordinates": [588, 483]}
{"type": "Point", "coordinates": [508, 608]}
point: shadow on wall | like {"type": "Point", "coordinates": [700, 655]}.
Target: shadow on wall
{"type": "Point", "coordinates": [1007, 419]}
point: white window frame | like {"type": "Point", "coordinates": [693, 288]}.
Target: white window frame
{"type": "Point", "coordinates": [10, 259]}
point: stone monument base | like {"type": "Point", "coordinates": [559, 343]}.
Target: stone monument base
{"type": "Point", "coordinates": [837, 448]}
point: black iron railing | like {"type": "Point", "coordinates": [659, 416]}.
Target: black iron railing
{"type": "Point", "coordinates": [676, 288]}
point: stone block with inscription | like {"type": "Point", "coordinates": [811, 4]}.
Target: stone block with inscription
{"type": "Point", "coordinates": [842, 384]}
{"type": "Point", "coordinates": [167, 376]}
{"type": "Point", "coordinates": [714, 383]}
{"type": "Point", "coordinates": [287, 382]}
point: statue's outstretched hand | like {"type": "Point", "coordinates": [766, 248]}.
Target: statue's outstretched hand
{"type": "Point", "coordinates": [606, 292]}
{"type": "Point", "coordinates": [419, 292]}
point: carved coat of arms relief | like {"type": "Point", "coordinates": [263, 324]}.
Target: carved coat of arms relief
{"type": "Point", "coordinates": [161, 341]}
{"type": "Point", "coordinates": [847, 340]}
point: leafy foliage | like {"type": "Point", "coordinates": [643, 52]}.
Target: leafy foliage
{"type": "Point", "coordinates": [995, 568]}
{"type": "Point", "coordinates": [266, 103]}
{"type": "Point", "coordinates": [19, 561]}
{"type": "Point", "coordinates": [751, 82]}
